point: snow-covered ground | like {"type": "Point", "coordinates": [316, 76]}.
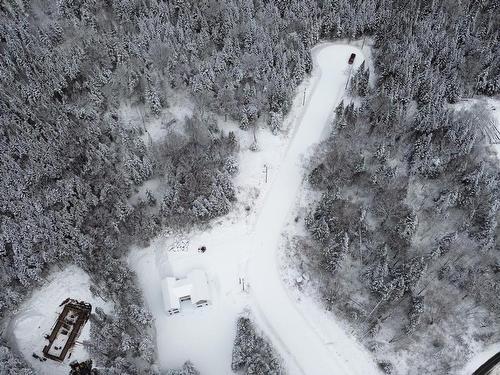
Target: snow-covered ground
{"type": "Point", "coordinates": [205, 336]}
{"type": "Point", "coordinates": [479, 358]}
{"type": "Point", "coordinates": [241, 260]}
{"type": "Point", "coordinates": [38, 315]}
{"type": "Point", "coordinates": [491, 107]}
{"type": "Point", "coordinates": [157, 128]}
{"type": "Point", "coordinates": [493, 104]}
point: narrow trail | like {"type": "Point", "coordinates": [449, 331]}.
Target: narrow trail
{"type": "Point", "coordinates": [303, 348]}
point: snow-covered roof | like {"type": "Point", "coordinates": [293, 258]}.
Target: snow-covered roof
{"type": "Point", "coordinates": [199, 291]}
{"type": "Point", "coordinates": [194, 287]}
{"type": "Point", "coordinates": [170, 299]}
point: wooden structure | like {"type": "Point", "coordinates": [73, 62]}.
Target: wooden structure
{"type": "Point", "coordinates": [67, 328]}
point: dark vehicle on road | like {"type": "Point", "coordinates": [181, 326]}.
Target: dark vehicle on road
{"type": "Point", "coordinates": [351, 59]}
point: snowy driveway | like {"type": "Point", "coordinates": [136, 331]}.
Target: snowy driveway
{"type": "Point", "coordinates": [304, 349]}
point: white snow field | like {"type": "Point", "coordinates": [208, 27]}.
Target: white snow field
{"type": "Point", "coordinates": [38, 315]}
{"type": "Point", "coordinates": [242, 251]}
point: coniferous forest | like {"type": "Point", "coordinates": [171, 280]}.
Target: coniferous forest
{"type": "Point", "coordinates": [407, 223]}
{"type": "Point", "coordinates": [403, 243]}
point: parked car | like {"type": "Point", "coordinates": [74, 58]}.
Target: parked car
{"type": "Point", "coordinates": [351, 59]}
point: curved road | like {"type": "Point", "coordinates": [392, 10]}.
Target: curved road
{"type": "Point", "coordinates": [303, 348]}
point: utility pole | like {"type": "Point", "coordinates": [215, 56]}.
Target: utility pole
{"type": "Point", "coordinates": [304, 98]}
{"type": "Point", "coordinates": [265, 169]}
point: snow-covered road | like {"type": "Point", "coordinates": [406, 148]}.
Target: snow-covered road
{"type": "Point", "coordinates": [244, 245]}
{"type": "Point", "coordinates": [303, 348]}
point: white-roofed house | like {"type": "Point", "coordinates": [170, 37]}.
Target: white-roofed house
{"type": "Point", "coordinates": [193, 287]}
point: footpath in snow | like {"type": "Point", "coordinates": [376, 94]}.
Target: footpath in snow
{"type": "Point", "coordinates": [244, 247]}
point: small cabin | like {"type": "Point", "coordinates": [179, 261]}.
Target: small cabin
{"type": "Point", "coordinates": [194, 288]}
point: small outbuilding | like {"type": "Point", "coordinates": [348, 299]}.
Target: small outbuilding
{"type": "Point", "coordinates": [194, 288]}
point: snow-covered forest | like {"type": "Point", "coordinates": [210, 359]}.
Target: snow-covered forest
{"type": "Point", "coordinates": [252, 353]}
{"type": "Point", "coordinates": [404, 240]}
{"type": "Point", "coordinates": [407, 219]}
